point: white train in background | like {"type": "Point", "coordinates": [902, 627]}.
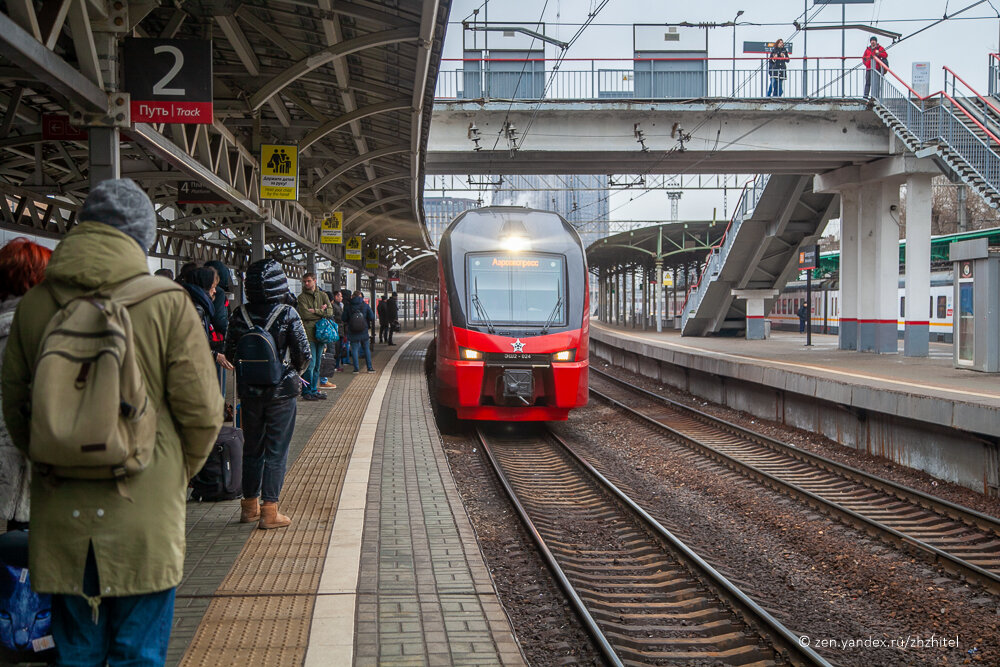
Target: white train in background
{"type": "Point", "coordinates": [826, 306]}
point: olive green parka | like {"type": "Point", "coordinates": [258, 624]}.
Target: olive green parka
{"type": "Point", "coordinates": [138, 542]}
{"type": "Point", "coordinates": [315, 300]}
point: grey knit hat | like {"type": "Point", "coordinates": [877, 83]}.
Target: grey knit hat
{"type": "Point", "coordinates": [121, 203]}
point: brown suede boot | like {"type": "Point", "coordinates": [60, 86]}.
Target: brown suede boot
{"type": "Point", "coordinates": [249, 510]}
{"type": "Point", "coordinates": [270, 518]}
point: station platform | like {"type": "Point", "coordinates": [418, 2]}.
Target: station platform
{"type": "Point", "coordinates": [920, 412]}
{"type": "Point", "coordinates": [380, 565]}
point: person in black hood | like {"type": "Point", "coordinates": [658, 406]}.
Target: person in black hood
{"type": "Point", "coordinates": [268, 411]}
{"type": "Point", "coordinates": [220, 318]}
{"type": "Point", "coordinates": [221, 299]}
{"type": "Point", "coordinates": [201, 285]}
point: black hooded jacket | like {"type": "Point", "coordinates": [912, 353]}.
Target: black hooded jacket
{"type": "Point", "coordinates": [267, 289]}
{"type": "Point", "coordinates": [197, 283]}
{"type": "Point", "coordinates": [221, 302]}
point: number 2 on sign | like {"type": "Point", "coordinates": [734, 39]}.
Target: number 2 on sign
{"type": "Point", "coordinates": [160, 87]}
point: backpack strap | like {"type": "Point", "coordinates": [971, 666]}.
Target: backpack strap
{"type": "Point", "coordinates": [274, 316]}
{"type": "Point", "coordinates": [246, 315]}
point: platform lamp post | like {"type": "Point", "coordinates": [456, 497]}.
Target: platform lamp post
{"type": "Point", "coordinates": [738, 15]}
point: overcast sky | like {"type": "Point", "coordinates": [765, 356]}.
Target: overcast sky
{"type": "Point", "coordinates": [963, 43]}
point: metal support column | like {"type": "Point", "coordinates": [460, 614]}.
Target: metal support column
{"type": "Point", "coordinates": [257, 241]}
{"type": "Point", "coordinates": [311, 263]}
{"type": "Point", "coordinates": [632, 295]}
{"type": "Point", "coordinates": [916, 332]}
{"type": "Point", "coordinates": [659, 281]}
{"type": "Point", "coordinates": [104, 156]}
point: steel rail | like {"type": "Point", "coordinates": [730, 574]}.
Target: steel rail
{"type": "Point", "coordinates": [589, 623]}
{"type": "Point", "coordinates": [970, 519]}
{"type": "Point", "coordinates": [785, 643]}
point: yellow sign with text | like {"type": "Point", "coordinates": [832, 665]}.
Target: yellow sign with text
{"type": "Point", "coordinates": [332, 229]}
{"type": "Point", "coordinates": [279, 172]}
{"type": "Point", "coordinates": [371, 258]}
{"type": "Point", "coordinates": [668, 280]}
{"type": "Point", "coordinates": [353, 250]}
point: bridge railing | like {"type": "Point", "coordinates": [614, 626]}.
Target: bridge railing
{"type": "Point", "coordinates": [939, 118]}
{"type": "Point", "coordinates": [717, 255]}
{"type": "Point", "coordinates": [646, 78]}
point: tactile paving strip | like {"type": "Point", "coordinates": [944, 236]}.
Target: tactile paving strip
{"type": "Point", "coordinates": [262, 611]}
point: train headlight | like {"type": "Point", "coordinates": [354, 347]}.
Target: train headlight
{"type": "Point", "coordinates": [470, 355]}
{"type": "Point", "coordinates": [565, 355]}
{"type": "Point", "coordinates": [516, 243]}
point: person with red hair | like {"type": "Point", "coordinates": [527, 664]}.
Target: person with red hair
{"type": "Point", "coordinates": [22, 266]}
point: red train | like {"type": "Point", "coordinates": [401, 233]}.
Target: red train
{"type": "Point", "coordinates": [512, 338]}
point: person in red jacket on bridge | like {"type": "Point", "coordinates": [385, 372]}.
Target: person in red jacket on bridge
{"type": "Point", "coordinates": [873, 52]}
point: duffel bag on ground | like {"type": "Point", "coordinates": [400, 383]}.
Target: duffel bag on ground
{"type": "Point", "coordinates": [26, 628]}
{"type": "Point", "coordinates": [221, 478]}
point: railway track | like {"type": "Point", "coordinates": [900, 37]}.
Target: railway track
{"type": "Point", "coordinates": [961, 540]}
{"type": "Point", "coordinates": [645, 597]}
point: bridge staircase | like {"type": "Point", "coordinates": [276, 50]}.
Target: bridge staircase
{"type": "Point", "coordinates": [774, 216]}
{"type": "Point", "coordinates": [958, 131]}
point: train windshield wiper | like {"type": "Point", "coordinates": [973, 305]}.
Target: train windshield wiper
{"type": "Point", "coordinates": [552, 315]}
{"type": "Point", "coordinates": [480, 309]}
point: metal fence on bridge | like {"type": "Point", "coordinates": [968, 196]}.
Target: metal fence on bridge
{"type": "Point", "coordinates": [647, 78]}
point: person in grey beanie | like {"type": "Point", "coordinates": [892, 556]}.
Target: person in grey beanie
{"type": "Point", "coordinates": [121, 203]}
{"type": "Point", "coordinates": [112, 562]}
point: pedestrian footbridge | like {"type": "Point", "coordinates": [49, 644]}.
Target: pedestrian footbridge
{"type": "Point", "coordinates": [823, 151]}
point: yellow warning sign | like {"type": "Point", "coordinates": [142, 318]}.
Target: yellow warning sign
{"type": "Point", "coordinates": [353, 249]}
{"type": "Point", "coordinates": [668, 280]}
{"type": "Point", "coordinates": [279, 172]}
{"type": "Point", "coordinates": [371, 258]}
{"type": "Point", "coordinates": [332, 229]}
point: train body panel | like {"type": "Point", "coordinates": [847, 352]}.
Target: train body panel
{"type": "Point", "coordinates": [826, 307]}
{"type": "Point", "coordinates": [512, 340]}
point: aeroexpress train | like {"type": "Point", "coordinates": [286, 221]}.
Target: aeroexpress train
{"type": "Point", "coordinates": [826, 306]}
{"type": "Point", "coordinates": [512, 336]}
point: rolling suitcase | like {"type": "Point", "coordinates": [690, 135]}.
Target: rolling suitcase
{"type": "Point", "coordinates": [221, 478]}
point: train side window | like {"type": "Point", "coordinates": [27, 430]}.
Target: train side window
{"type": "Point", "coordinates": [902, 306]}
{"type": "Point", "coordinates": [784, 306]}
{"type": "Point", "coordinates": [942, 307]}
{"type": "Point", "coordinates": [796, 308]}
{"type": "Point", "coordinates": [930, 308]}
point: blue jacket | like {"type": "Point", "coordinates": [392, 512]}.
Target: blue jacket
{"type": "Point", "coordinates": [357, 303]}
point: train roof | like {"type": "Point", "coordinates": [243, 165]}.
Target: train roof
{"type": "Point", "coordinates": [479, 228]}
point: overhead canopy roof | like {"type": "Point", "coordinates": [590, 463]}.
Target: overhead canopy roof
{"type": "Point", "coordinates": [675, 243]}
{"type": "Point", "coordinates": [350, 82]}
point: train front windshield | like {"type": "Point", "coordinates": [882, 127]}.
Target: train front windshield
{"type": "Point", "coordinates": [526, 288]}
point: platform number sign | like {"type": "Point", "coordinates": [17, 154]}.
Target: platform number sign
{"type": "Point", "coordinates": [169, 80]}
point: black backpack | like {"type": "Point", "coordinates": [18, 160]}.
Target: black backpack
{"type": "Point", "coordinates": [257, 359]}
{"type": "Point", "coordinates": [357, 322]}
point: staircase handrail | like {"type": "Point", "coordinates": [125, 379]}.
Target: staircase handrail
{"type": "Point", "coordinates": [971, 89]}
{"type": "Point", "coordinates": [720, 250]}
{"type": "Point", "coordinates": [941, 93]}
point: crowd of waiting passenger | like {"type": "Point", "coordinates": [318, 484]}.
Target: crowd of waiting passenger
{"type": "Point", "coordinates": [114, 387]}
